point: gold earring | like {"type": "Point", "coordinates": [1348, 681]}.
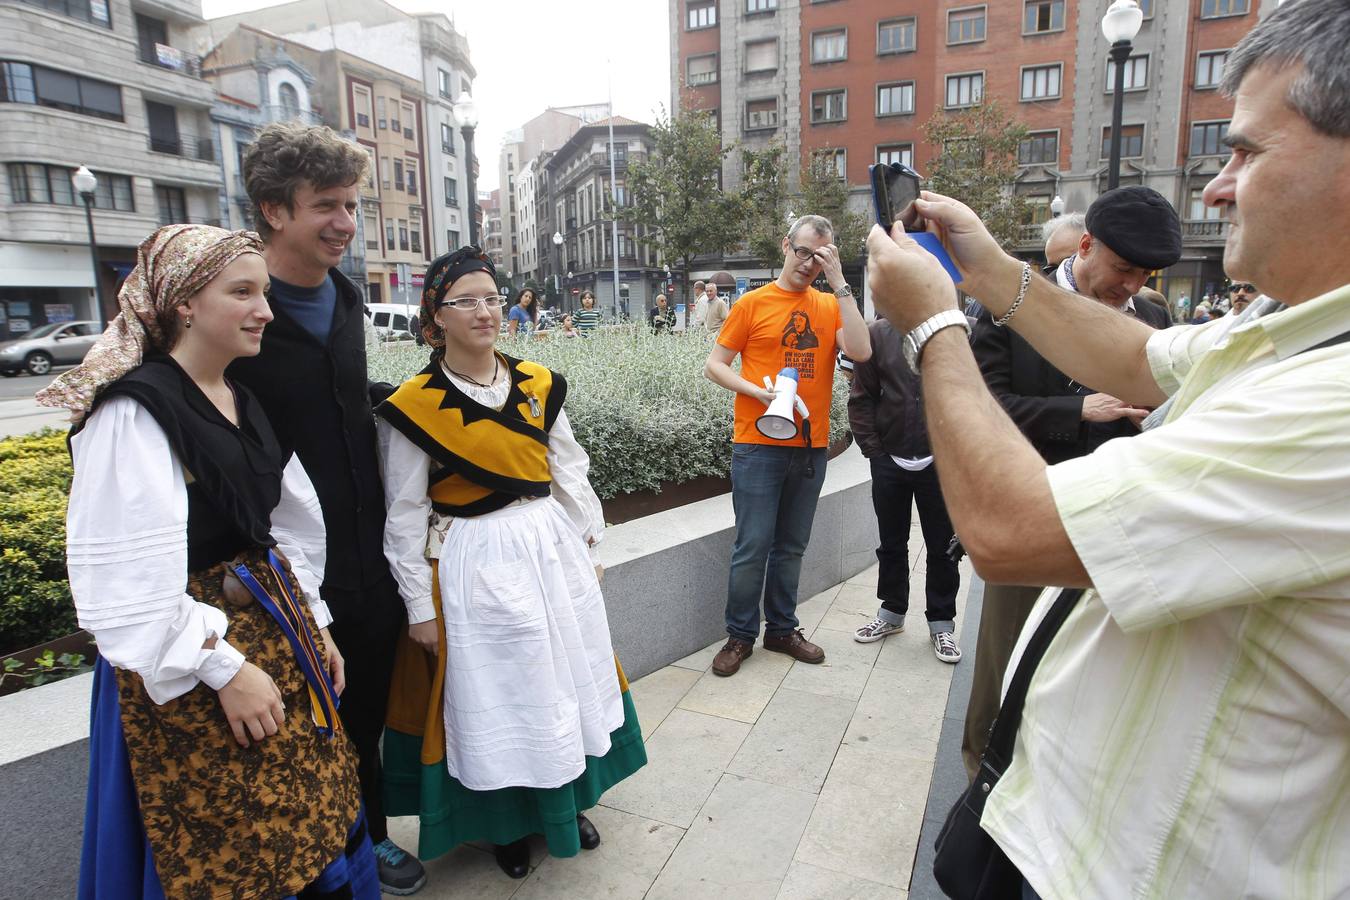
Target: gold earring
{"type": "Point", "coordinates": [187, 323]}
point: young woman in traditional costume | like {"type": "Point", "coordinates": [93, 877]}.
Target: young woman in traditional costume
{"type": "Point", "coordinates": [195, 545]}
{"type": "Point", "coordinates": [509, 715]}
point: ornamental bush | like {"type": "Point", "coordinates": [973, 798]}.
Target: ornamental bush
{"type": "Point", "coordinates": [637, 401]}
{"type": "Point", "coordinates": [35, 603]}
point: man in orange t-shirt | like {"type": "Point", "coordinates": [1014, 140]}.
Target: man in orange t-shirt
{"type": "Point", "coordinates": [775, 484]}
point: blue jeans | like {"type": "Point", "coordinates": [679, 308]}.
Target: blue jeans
{"type": "Point", "coordinates": [775, 503]}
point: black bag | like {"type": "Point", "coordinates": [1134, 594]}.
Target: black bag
{"type": "Point", "coordinates": [969, 865]}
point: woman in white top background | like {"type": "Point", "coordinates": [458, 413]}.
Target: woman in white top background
{"type": "Point", "coordinates": [195, 551]}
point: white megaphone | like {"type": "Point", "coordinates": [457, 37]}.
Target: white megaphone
{"type": "Point", "coordinates": [777, 421]}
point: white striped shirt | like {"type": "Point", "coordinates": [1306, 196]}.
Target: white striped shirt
{"type": "Point", "coordinates": [1188, 732]}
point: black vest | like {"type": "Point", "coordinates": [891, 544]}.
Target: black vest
{"type": "Point", "coordinates": [316, 397]}
{"type": "Point", "coordinates": [234, 473]}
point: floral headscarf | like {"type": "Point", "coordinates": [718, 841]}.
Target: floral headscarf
{"type": "Point", "coordinates": [172, 265]}
{"type": "Point", "coordinates": [443, 272]}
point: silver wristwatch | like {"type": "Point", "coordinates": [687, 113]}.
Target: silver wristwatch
{"type": "Point", "coordinates": [916, 339]}
{"type": "Point", "coordinates": [844, 291]}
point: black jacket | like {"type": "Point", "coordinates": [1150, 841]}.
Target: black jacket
{"type": "Point", "coordinates": [885, 403]}
{"type": "Point", "coordinates": [316, 399]}
{"type": "Point", "coordinates": [1041, 400]}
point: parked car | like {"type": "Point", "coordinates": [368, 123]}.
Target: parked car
{"type": "Point", "coordinates": [391, 320]}
{"type": "Point", "coordinates": [55, 344]}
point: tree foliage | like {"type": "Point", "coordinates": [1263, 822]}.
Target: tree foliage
{"type": "Point", "coordinates": [824, 193]}
{"type": "Point", "coordinates": [676, 195]}
{"type": "Point", "coordinates": [764, 201]}
{"type": "Point", "coordinates": [977, 164]}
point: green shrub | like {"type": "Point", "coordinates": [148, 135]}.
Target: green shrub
{"type": "Point", "coordinates": [35, 603]}
{"type": "Point", "coordinates": [638, 402]}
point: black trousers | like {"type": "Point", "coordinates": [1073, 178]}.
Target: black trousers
{"type": "Point", "coordinates": [895, 491]}
{"type": "Point", "coordinates": [366, 629]}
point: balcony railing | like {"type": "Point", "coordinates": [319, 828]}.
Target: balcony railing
{"type": "Point", "coordinates": [187, 148]}
{"type": "Point", "coordinates": [1029, 234]}
{"type": "Point", "coordinates": [1205, 230]}
{"type": "Point", "coordinates": [277, 113]}
{"type": "Point", "coordinates": [166, 57]}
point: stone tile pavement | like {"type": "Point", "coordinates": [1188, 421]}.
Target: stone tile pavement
{"type": "Point", "coordinates": [785, 781]}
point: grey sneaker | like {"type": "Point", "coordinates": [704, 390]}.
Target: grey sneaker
{"type": "Point", "coordinates": [400, 872]}
{"type": "Point", "coordinates": [944, 645]}
{"type": "Point", "coordinates": [875, 630]}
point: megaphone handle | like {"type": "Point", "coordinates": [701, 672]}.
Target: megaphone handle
{"type": "Point", "coordinates": [801, 407]}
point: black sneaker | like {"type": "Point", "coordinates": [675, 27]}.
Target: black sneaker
{"type": "Point", "coordinates": [400, 872]}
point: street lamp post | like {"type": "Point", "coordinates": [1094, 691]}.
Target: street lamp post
{"type": "Point", "coordinates": [466, 114]}
{"type": "Point", "coordinates": [557, 273]}
{"type": "Point", "coordinates": [85, 184]}
{"type": "Point", "coordinates": [1119, 26]}
{"type": "Point", "coordinates": [1057, 207]}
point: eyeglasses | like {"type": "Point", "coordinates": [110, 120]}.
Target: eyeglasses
{"type": "Point", "coordinates": [803, 252]}
{"type": "Point", "coordinates": [1246, 288]}
{"type": "Point", "coordinates": [470, 304]}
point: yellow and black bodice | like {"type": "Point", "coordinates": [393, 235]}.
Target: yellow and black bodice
{"type": "Point", "coordinates": [482, 458]}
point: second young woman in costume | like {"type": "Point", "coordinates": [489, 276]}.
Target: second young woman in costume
{"type": "Point", "coordinates": [195, 544]}
{"type": "Point", "coordinates": [509, 715]}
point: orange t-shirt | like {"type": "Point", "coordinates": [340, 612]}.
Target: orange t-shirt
{"type": "Point", "coordinates": [772, 328]}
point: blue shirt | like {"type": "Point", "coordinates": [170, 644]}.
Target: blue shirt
{"type": "Point", "coordinates": [311, 307]}
{"type": "Point", "coordinates": [520, 315]}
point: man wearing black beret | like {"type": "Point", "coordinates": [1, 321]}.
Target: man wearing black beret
{"type": "Point", "coordinates": [1131, 231]}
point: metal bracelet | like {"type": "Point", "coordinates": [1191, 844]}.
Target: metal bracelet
{"type": "Point", "coordinates": [1021, 295]}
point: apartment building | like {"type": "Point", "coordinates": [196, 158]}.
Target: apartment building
{"type": "Point", "coordinates": [112, 85]}
{"type": "Point", "coordinates": [491, 204]}
{"type": "Point", "coordinates": [423, 48]}
{"type": "Point", "coordinates": [858, 79]}
{"type": "Point", "coordinates": [579, 192]}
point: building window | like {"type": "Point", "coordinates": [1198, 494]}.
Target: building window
{"type": "Point", "coordinates": [361, 106]}
{"type": "Point", "coordinates": [1213, 9]}
{"type": "Point", "coordinates": [1039, 148]}
{"type": "Point", "coordinates": [1198, 211]}
{"type": "Point", "coordinates": [965, 26]}
{"type": "Point", "coordinates": [761, 56]}
{"type": "Point", "coordinates": [701, 14]}
{"type": "Point", "coordinates": [381, 114]}
{"type": "Point", "coordinates": [24, 83]}
{"type": "Point", "coordinates": [829, 46]}
{"type": "Point", "coordinates": [965, 90]}
{"type": "Point", "coordinates": [372, 232]}
{"type": "Point", "coordinates": [452, 239]}
{"type": "Point", "coordinates": [835, 159]}
{"type": "Point", "coordinates": [443, 83]}
{"type": "Point", "coordinates": [1209, 69]}
{"type": "Point", "coordinates": [1131, 142]}
{"type": "Point", "coordinates": [895, 99]}
{"type": "Point", "coordinates": [40, 183]}
{"type": "Point", "coordinates": [411, 168]}
{"type": "Point", "coordinates": [828, 106]}
{"type": "Point", "coordinates": [895, 36]}
{"type": "Point", "coordinates": [447, 138]}
{"type": "Point", "coordinates": [403, 234]}
{"type": "Point", "coordinates": [756, 6]}
{"type": "Point", "coordinates": [289, 98]}
{"type": "Point", "coordinates": [172, 204]}
{"type": "Point", "coordinates": [895, 153]}
{"type": "Point", "coordinates": [619, 152]}
{"type": "Point", "coordinates": [761, 114]}
{"type": "Point", "coordinates": [1042, 16]}
{"type": "Point", "coordinates": [384, 172]}
{"type": "Point", "coordinates": [95, 12]}
{"type": "Point", "coordinates": [1041, 82]}
{"type": "Point", "coordinates": [398, 174]}
{"type": "Point", "coordinates": [409, 120]}
{"type": "Point", "coordinates": [415, 237]}
{"type": "Point", "coordinates": [701, 70]}
{"type": "Point", "coordinates": [389, 233]}
{"type": "Point", "coordinates": [1136, 74]}
{"type": "Point", "coordinates": [1207, 138]}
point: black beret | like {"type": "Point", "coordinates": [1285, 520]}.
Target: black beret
{"type": "Point", "coordinates": [1138, 224]}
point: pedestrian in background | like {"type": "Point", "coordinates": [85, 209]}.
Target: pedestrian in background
{"type": "Point", "coordinates": [588, 318]}
{"type": "Point", "coordinates": [716, 313]}
{"type": "Point", "coordinates": [660, 318]}
{"type": "Point", "coordinates": [524, 316]}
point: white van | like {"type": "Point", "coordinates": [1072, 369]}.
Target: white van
{"type": "Point", "coordinates": [393, 321]}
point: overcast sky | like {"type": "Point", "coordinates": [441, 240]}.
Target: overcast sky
{"type": "Point", "coordinates": [532, 54]}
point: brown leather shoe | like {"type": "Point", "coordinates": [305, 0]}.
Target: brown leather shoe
{"type": "Point", "coordinates": [728, 660]}
{"type": "Point", "coordinates": [796, 646]}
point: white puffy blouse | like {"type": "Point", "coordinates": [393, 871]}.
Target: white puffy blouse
{"type": "Point", "coordinates": [126, 553]}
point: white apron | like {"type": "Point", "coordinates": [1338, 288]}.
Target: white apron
{"type": "Point", "coordinates": [530, 685]}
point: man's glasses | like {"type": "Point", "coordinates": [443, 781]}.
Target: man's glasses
{"type": "Point", "coordinates": [469, 304]}
{"type": "Point", "coordinates": [803, 252]}
{"type": "Point", "coordinates": [1246, 288]}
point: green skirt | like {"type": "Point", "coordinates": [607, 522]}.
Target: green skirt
{"type": "Point", "coordinates": [452, 814]}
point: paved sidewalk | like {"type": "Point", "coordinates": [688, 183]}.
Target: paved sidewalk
{"type": "Point", "coordinates": [784, 781]}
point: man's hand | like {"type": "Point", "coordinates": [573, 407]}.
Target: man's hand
{"type": "Point", "coordinates": [1105, 408]}
{"type": "Point", "coordinates": [337, 666]}
{"type": "Point", "coordinates": [909, 285]}
{"type": "Point", "coordinates": [252, 704]}
{"type": "Point", "coordinates": [976, 254]}
{"type": "Point", "coordinates": [426, 635]}
{"type": "Point", "coordinates": [833, 270]}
